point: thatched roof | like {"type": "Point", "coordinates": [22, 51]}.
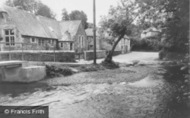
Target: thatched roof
{"type": "Point", "coordinates": [38, 26]}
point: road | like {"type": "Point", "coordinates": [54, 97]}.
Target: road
{"type": "Point", "coordinates": [129, 57]}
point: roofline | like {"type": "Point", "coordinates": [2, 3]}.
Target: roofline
{"type": "Point", "coordinates": [38, 37]}
{"type": "Point", "coordinates": [65, 41]}
{"type": "Point", "coordinates": [70, 21]}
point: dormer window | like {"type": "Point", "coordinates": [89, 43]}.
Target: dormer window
{"type": "Point", "coordinates": [9, 37]}
{"type": "Point", "coordinates": [4, 15]}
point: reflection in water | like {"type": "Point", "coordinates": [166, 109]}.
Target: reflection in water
{"type": "Point", "coordinates": [15, 89]}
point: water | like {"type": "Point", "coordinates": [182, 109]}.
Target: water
{"type": "Point", "coordinates": [16, 89]}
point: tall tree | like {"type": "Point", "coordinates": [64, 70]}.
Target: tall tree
{"type": "Point", "coordinates": [33, 6]}
{"type": "Point", "coordinates": [174, 19]}
{"type": "Point", "coordinates": [65, 15]}
{"type": "Point", "coordinates": [44, 10]}
{"type": "Point", "coordinates": [79, 15]}
{"type": "Point", "coordinates": [177, 26]}
{"type": "Point", "coordinates": [28, 5]}
{"type": "Point", "coordinates": [120, 21]}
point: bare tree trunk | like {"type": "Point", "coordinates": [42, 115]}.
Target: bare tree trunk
{"type": "Point", "coordinates": [110, 54]}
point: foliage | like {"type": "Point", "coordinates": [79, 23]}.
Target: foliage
{"type": "Point", "coordinates": [110, 65]}
{"type": "Point", "coordinates": [75, 15]}
{"type": "Point", "coordinates": [173, 18]}
{"type": "Point", "coordinates": [65, 15]}
{"type": "Point", "coordinates": [120, 21]}
{"type": "Point", "coordinates": [28, 5]}
{"type": "Point", "coordinates": [170, 16]}
{"type": "Point", "coordinates": [90, 25]}
{"type": "Point", "coordinates": [53, 71]}
{"type": "Point", "coordinates": [33, 6]}
{"type": "Point", "coordinates": [79, 15]}
{"type": "Point", "coordinates": [89, 68]}
{"type": "Point", "coordinates": [146, 45]}
{"type": "Point", "coordinates": [44, 10]}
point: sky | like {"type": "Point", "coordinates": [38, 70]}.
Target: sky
{"type": "Point", "coordinates": [102, 7]}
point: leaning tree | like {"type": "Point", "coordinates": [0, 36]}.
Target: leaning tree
{"type": "Point", "coordinates": [120, 21]}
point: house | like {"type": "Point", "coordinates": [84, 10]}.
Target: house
{"type": "Point", "coordinates": [90, 39]}
{"type": "Point", "coordinates": [22, 30]}
{"type": "Point", "coordinates": [125, 44]}
{"type": "Point", "coordinates": [150, 33]}
{"type": "Point", "coordinates": [107, 41]}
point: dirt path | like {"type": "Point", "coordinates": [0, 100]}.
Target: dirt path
{"type": "Point", "coordinates": [127, 58]}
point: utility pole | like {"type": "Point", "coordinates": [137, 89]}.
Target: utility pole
{"type": "Point", "coordinates": [94, 29]}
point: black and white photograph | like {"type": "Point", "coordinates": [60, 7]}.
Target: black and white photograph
{"type": "Point", "coordinates": [94, 59]}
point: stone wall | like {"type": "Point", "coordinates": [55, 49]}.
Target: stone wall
{"type": "Point", "coordinates": [89, 55]}
{"type": "Point", "coordinates": [60, 56]}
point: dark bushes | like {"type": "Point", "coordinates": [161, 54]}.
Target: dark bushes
{"type": "Point", "coordinates": [111, 65]}
{"type": "Point", "coordinates": [53, 71]}
{"type": "Point", "coordinates": [146, 45]}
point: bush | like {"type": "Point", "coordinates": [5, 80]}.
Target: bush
{"type": "Point", "coordinates": [162, 54]}
{"type": "Point", "coordinates": [89, 68]}
{"type": "Point", "coordinates": [146, 45]}
{"type": "Point", "coordinates": [111, 65]}
{"type": "Point", "coordinates": [53, 71]}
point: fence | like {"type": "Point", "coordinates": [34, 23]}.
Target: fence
{"type": "Point", "coordinates": [34, 52]}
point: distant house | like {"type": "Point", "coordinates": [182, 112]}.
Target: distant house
{"type": "Point", "coordinates": [123, 45]}
{"type": "Point", "coordinates": [150, 33]}
{"type": "Point", "coordinates": [43, 33]}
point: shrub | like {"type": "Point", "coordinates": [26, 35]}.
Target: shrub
{"type": "Point", "coordinates": [89, 68]}
{"type": "Point", "coordinates": [53, 71]}
{"type": "Point", "coordinates": [162, 54]}
{"type": "Point", "coordinates": [146, 44]}
{"type": "Point", "coordinates": [111, 65]}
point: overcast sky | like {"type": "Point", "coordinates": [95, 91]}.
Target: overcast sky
{"type": "Point", "coordinates": [102, 7]}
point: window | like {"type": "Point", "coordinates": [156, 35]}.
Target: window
{"type": "Point", "coordinates": [61, 44]}
{"type": "Point", "coordinates": [33, 40]}
{"type": "Point", "coordinates": [82, 41]}
{"type": "Point", "coordinates": [79, 39]}
{"type": "Point", "coordinates": [52, 42]}
{"type": "Point", "coordinates": [43, 42]}
{"type": "Point", "coordinates": [40, 41]}
{"type": "Point", "coordinates": [71, 46]}
{"type": "Point", "coordinates": [10, 37]}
